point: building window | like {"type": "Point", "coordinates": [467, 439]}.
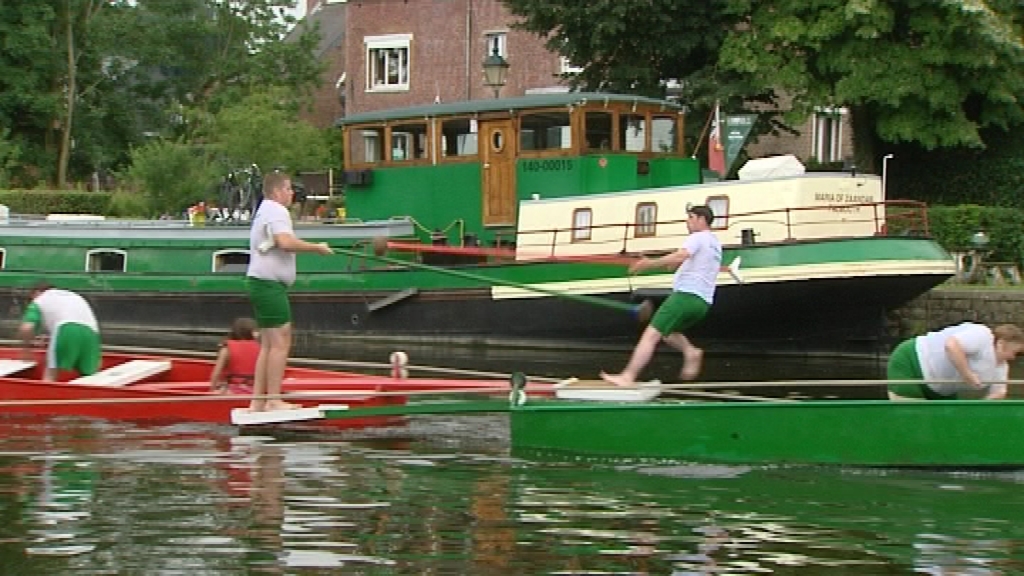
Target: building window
{"type": "Point", "coordinates": [496, 41]}
{"type": "Point", "coordinates": [568, 68]}
{"type": "Point", "coordinates": [387, 62]}
{"type": "Point", "coordinates": [231, 261]}
{"type": "Point", "coordinates": [827, 131]}
{"type": "Point", "coordinates": [646, 220]}
{"type": "Point", "coordinates": [106, 260]}
{"type": "Point", "coordinates": [582, 219]}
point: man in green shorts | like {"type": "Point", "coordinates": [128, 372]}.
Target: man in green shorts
{"type": "Point", "coordinates": [272, 248]}
{"type": "Point", "coordinates": [693, 288]}
{"type": "Point", "coordinates": [944, 364]}
{"type": "Point", "coordinates": [74, 331]}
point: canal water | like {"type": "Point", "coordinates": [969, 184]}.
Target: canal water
{"type": "Point", "coordinates": [441, 495]}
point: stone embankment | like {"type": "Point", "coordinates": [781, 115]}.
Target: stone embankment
{"type": "Point", "coordinates": [949, 305]}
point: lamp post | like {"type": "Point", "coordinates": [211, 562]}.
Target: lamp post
{"type": "Point", "coordinates": [885, 173]}
{"type": "Point", "coordinates": [495, 71]}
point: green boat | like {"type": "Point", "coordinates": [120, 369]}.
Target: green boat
{"type": "Point", "coordinates": [510, 222]}
{"type": "Point", "coordinates": [874, 433]}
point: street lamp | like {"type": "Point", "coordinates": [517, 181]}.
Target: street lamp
{"type": "Point", "coordinates": [885, 172]}
{"type": "Point", "coordinates": [495, 71]}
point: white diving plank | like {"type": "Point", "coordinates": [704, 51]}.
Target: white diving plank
{"type": "Point", "coordinates": [127, 373]}
{"type": "Point", "coordinates": [601, 391]}
{"type": "Point", "coordinates": [10, 366]}
{"type": "Point", "coordinates": [244, 417]}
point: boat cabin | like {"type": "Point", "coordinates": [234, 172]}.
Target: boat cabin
{"type": "Point", "coordinates": [462, 169]}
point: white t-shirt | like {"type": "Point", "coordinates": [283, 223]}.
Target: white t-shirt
{"type": "Point", "coordinates": [62, 306]}
{"type": "Point", "coordinates": [978, 344]}
{"type": "Point", "coordinates": [698, 273]}
{"type": "Point", "coordinates": [275, 264]}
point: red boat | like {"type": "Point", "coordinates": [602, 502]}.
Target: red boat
{"type": "Point", "coordinates": [145, 387]}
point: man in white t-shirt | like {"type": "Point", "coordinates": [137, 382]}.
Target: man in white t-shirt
{"type": "Point", "coordinates": [693, 289]}
{"type": "Point", "coordinates": [74, 331]}
{"type": "Point", "coordinates": [272, 248]}
{"type": "Point", "coordinates": [956, 359]}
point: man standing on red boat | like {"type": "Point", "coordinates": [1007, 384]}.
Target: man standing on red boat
{"type": "Point", "coordinates": [74, 331]}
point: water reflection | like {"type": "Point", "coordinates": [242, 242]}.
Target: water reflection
{"type": "Point", "coordinates": [82, 496]}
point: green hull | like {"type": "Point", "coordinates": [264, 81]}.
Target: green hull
{"type": "Point", "coordinates": [855, 433]}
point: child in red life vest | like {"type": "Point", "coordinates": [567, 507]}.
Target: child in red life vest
{"type": "Point", "coordinates": [236, 360]}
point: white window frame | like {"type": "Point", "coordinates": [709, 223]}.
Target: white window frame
{"type": "Point", "coordinates": [568, 67]}
{"type": "Point", "coordinates": [497, 38]}
{"type": "Point", "coordinates": [97, 251]}
{"type": "Point", "coordinates": [221, 253]}
{"type": "Point", "coordinates": [823, 118]}
{"type": "Point", "coordinates": [399, 42]}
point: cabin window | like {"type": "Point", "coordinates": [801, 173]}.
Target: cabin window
{"type": "Point", "coordinates": [498, 141]}
{"type": "Point", "coordinates": [546, 131]}
{"type": "Point", "coordinates": [231, 261]}
{"type": "Point", "coordinates": [720, 208]}
{"type": "Point", "coordinates": [633, 133]}
{"type": "Point", "coordinates": [458, 137]}
{"type": "Point", "coordinates": [663, 134]}
{"type": "Point", "coordinates": [582, 221]}
{"type": "Point", "coordinates": [408, 142]}
{"type": "Point", "coordinates": [646, 220]}
{"type": "Point", "coordinates": [106, 260]}
{"type": "Point", "coordinates": [598, 127]}
{"type": "Point", "coordinates": [366, 145]}
{"type": "Point", "coordinates": [3, 258]}
{"type": "Point", "coordinates": [387, 62]}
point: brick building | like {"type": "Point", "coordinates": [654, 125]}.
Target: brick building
{"type": "Point", "coordinates": [384, 54]}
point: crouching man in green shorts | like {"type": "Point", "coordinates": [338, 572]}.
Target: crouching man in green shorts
{"type": "Point", "coordinates": [943, 365]}
{"type": "Point", "coordinates": [74, 331]}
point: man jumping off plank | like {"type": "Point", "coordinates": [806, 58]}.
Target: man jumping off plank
{"type": "Point", "coordinates": [693, 289]}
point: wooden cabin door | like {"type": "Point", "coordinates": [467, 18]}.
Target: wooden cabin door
{"type": "Point", "coordinates": [497, 145]}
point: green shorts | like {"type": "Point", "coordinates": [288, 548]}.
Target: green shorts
{"type": "Point", "coordinates": [905, 365]}
{"type": "Point", "coordinates": [678, 312]}
{"type": "Point", "coordinates": [74, 347]}
{"type": "Point", "coordinates": [270, 304]}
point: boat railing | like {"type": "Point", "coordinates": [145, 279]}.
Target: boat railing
{"type": "Point", "coordinates": [780, 225]}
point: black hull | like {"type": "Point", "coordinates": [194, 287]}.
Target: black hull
{"type": "Point", "coordinates": [829, 316]}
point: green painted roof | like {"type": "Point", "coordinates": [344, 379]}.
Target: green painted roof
{"type": "Point", "coordinates": [495, 104]}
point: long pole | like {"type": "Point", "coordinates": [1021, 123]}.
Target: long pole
{"type": "Point", "coordinates": [583, 298]}
{"type": "Point", "coordinates": [885, 174]}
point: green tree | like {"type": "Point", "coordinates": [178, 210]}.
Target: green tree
{"type": "Point", "coordinates": [934, 72]}
{"type": "Point", "coordinates": [263, 129]}
{"type": "Point", "coordinates": [171, 174]}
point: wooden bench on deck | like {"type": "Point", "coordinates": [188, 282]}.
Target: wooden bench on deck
{"type": "Point", "coordinates": [11, 366]}
{"type": "Point", "coordinates": [124, 374]}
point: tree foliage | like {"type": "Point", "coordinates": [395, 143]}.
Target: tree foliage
{"type": "Point", "coordinates": [84, 81]}
{"type": "Point", "coordinates": [172, 174]}
{"type": "Point", "coordinates": [931, 72]}
{"type": "Point", "coordinates": [263, 129]}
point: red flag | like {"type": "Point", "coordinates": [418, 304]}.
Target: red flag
{"type": "Point", "coordinates": [716, 152]}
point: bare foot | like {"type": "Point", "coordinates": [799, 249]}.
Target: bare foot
{"type": "Point", "coordinates": [257, 406]}
{"type": "Point", "coordinates": [692, 361]}
{"type": "Point", "coordinates": [617, 379]}
{"type": "Point", "coordinates": [281, 405]}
